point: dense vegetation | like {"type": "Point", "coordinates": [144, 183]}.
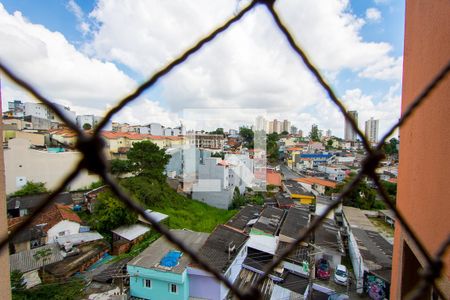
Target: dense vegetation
{"type": "Point", "coordinates": [67, 290]}
{"type": "Point", "coordinates": [150, 189]}
{"type": "Point", "coordinates": [362, 196]}
{"type": "Point", "coordinates": [30, 188]}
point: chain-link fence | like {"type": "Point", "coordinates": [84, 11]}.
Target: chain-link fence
{"type": "Point", "coordinates": [91, 146]}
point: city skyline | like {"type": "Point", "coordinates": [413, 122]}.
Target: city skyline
{"type": "Point", "coordinates": [96, 73]}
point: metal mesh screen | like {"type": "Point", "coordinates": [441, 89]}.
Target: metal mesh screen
{"type": "Point", "coordinates": [93, 160]}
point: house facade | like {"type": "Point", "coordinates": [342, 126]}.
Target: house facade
{"type": "Point", "coordinates": [160, 271]}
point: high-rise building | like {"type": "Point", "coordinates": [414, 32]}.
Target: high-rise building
{"type": "Point", "coordinates": [328, 134]}
{"type": "Point", "coordinates": [350, 134]}
{"type": "Point", "coordinates": [270, 128]}
{"type": "Point", "coordinates": [286, 126]}
{"type": "Point", "coordinates": [300, 133]}
{"type": "Point", "coordinates": [260, 124]}
{"type": "Point", "coordinates": [372, 130]}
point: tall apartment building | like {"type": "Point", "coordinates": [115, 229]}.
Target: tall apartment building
{"type": "Point", "coordinates": [286, 126]}
{"type": "Point", "coordinates": [270, 127]}
{"type": "Point", "coordinates": [372, 130]}
{"type": "Point", "coordinates": [260, 124]}
{"type": "Point", "coordinates": [350, 134]}
{"type": "Point", "coordinates": [424, 167]}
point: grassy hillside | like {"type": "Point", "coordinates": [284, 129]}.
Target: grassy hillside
{"type": "Point", "coordinates": [183, 212]}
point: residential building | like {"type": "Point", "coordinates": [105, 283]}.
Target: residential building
{"type": "Point", "coordinates": [270, 127]}
{"type": "Point", "coordinates": [206, 140]}
{"type": "Point", "coordinates": [26, 205]}
{"type": "Point", "coordinates": [19, 124]}
{"type": "Point", "coordinates": [328, 134]}
{"type": "Point", "coordinates": [269, 222]}
{"type": "Point", "coordinates": [91, 120]}
{"type": "Point", "coordinates": [260, 124]}
{"type": "Point", "coordinates": [423, 165]}
{"type": "Point", "coordinates": [161, 270]}
{"type": "Point", "coordinates": [21, 163]}
{"type": "Point", "coordinates": [298, 193]}
{"type": "Point", "coordinates": [286, 126]}
{"type": "Point", "coordinates": [25, 262]}
{"type": "Point", "coordinates": [40, 110]}
{"type": "Point", "coordinates": [224, 250]}
{"type": "Point", "coordinates": [218, 179]}
{"type": "Point", "coordinates": [124, 237]}
{"type": "Point", "coordinates": [316, 185]}
{"type": "Point", "coordinates": [334, 173]}
{"type": "Point", "coordinates": [55, 221]}
{"type": "Point", "coordinates": [28, 238]}
{"type": "Point", "coordinates": [350, 134]}
{"type": "Point", "coordinates": [370, 254]}
{"type": "Point", "coordinates": [372, 130]}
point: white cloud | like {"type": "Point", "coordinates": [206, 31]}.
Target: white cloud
{"type": "Point", "coordinates": [48, 61]}
{"type": "Point", "coordinates": [373, 14]}
{"type": "Point", "coordinates": [249, 66]}
{"type": "Point", "coordinates": [83, 26]}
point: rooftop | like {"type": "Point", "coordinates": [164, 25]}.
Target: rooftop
{"type": "Point", "coordinates": [79, 238]}
{"type": "Point", "coordinates": [24, 260]}
{"type": "Point", "coordinates": [294, 187]}
{"type": "Point", "coordinates": [31, 201]}
{"type": "Point", "coordinates": [270, 220]}
{"type": "Point", "coordinates": [273, 178]}
{"type": "Point", "coordinates": [154, 215]}
{"type": "Point", "coordinates": [222, 246]}
{"type": "Point", "coordinates": [151, 257]}
{"type": "Point", "coordinates": [296, 219]}
{"type": "Point", "coordinates": [327, 235]}
{"type": "Point", "coordinates": [130, 232]}
{"type": "Point", "coordinates": [318, 181]}
{"type": "Point", "coordinates": [55, 214]}
{"type": "Point", "coordinates": [241, 220]}
{"type": "Point", "coordinates": [283, 201]}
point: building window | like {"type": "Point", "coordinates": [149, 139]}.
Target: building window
{"type": "Point", "coordinates": [173, 288]}
{"type": "Point", "coordinates": [148, 283]}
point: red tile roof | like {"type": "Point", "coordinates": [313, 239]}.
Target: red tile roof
{"type": "Point", "coordinates": [55, 214]}
{"type": "Point", "coordinates": [315, 180]}
{"type": "Point", "coordinates": [273, 178]}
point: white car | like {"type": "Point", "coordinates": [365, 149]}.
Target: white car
{"type": "Point", "coordinates": [341, 275]}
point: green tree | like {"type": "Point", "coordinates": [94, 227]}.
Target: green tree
{"type": "Point", "coordinates": [362, 196]}
{"type": "Point", "coordinates": [87, 126]}
{"type": "Point", "coordinates": [147, 159]}
{"type": "Point", "coordinates": [31, 188]}
{"type": "Point", "coordinates": [17, 280]}
{"type": "Point", "coordinates": [285, 133]}
{"type": "Point", "coordinates": [314, 135]}
{"type": "Point", "coordinates": [120, 167]}
{"type": "Point", "coordinates": [272, 146]}
{"type": "Point", "coordinates": [218, 131]}
{"type": "Point", "coordinates": [110, 212]}
{"type": "Point", "coordinates": [238, 200]}
{"type": "Point", "coordinates": [247, 135]}
{"type": "Point", "coordinates": [390, 147]}
{"type": "Point", "coordinates": [391, 189]}
{"type": "Point", "coordinates": [218, 154]}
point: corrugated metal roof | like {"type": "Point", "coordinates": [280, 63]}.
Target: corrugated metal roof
{"type": "Point", "coordinates": [130, 232]}
{"type": "Point", "coordinates": [79, 238]}
{"type": "Point", "coordinates": [24, 260]}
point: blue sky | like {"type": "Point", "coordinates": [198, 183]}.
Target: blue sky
{"type": "Point", "coordinates": [355, 82]}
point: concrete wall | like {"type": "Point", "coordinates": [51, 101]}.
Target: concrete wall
{"type": "Point", "coordinates": [23, 164]}
{"type": "Point", "coordinates": [203, 285]}
{"type": "Point", "coordinates": [424, 167]}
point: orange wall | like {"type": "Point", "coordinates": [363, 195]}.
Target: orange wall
{"type": "Point", "coordinates": [424, 171]}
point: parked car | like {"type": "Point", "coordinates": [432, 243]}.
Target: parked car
{"type": "Point", "coordinates": [341, 275]}
{"type": "Point", "coordinates": [323, 270]}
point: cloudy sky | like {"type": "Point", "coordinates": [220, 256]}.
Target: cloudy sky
{"type": "Point", "coordinates": [89, 54]}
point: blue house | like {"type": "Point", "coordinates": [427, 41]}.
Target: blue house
{"type": "Point", "coordinates": [160, 271]}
